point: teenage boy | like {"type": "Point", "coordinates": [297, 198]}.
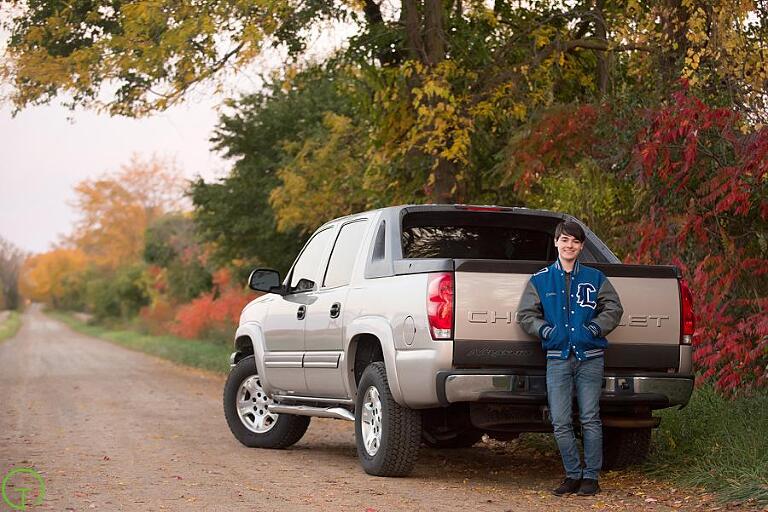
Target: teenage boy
{"type": "Point", "coordinates": [571, 308]}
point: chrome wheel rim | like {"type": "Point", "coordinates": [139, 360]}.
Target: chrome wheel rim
{"type": "Point", "coordinates": [371, 421]}
{"type": "Point", "coordinates": [252, 407]}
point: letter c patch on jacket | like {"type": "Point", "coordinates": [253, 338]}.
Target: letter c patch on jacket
{"type": "Point", "coordinates": [586, 295]}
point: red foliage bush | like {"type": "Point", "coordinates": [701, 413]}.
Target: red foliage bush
{"type": "Point", "coordinates": [157, 317]}
{"type": "Point", "coordinates": [214, 315]}
{"type": "Point", "coordinates": [562, 135]}
{"type": "Point", "coordinates": [709, 215]}
{"type": "Point", "coordinates": [702, 204]}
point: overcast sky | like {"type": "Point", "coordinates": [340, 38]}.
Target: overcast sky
{"type": "Point", "coordinates": [45, 151]}
{"type": "Point", "coordinates": [44, 155]}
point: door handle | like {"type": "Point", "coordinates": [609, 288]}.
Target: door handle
{"type": "Point", "coordinates": [301, 313]}
{"type": "Point", "coordinates": [335, 309]}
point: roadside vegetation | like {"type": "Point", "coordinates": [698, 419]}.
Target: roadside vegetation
{"type": "Point", "coordinates": [195, 353]}
{"type": "Point", "coordinates": [10, 325]}
{"type": "Point", "coordinates": [716, 443]}
{"type": "Point", "coordinates": [11, 260]}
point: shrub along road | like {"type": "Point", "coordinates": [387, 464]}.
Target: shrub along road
{"type": "Point", "coordinates": [113, 429]}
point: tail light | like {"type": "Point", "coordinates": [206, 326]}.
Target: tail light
{"type": "Point", "coordinates": [440, 305]}
{"type": "Point", "coordinates": [687, 321]}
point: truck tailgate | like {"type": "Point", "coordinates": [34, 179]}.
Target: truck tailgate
{"type": "Point", "coordinates": [487, 293]}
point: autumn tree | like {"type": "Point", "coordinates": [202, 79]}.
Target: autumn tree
{"type": "Point", "coordinates": [11, 259]}
{"type": "Point", "coordinates": [450, 77]}
{"type": "Point", "coordinates": [682, 184]}
{"type": "Point", "coordinates": [132, 57]}
{"type": "Point", "coordinates": [706, 185]}
{"type": "Point", "coordinates": [54, 277]}
{"type": "Point", "coordinates": [116, 209]}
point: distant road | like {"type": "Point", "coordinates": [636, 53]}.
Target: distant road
{"type": "Point", "coordinates": [111, 429]}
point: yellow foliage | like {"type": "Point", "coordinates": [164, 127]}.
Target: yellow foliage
{"type": "Point", "coordinates": [158, 49]}
{"type": "Point", "coordinates": [323, 180]}
{"type": "Point", "coordinates": [43, 276]}
{"type": "Point", "coordinates": [115, 210]}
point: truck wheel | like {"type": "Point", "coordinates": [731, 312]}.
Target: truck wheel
{"type": "Point", "coordinates": [460, 439]}
{"type": "Point", "coordinates": [388, 435]}
{"type": "Point", "coordinates": [245, 407]}
{"type": "Point", "coordinates": [624, 447]}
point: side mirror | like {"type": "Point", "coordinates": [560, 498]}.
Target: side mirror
{"type": "Point", "coordinates": [265, 280]}
{"type": "Point", "coordinates": [305, 285]}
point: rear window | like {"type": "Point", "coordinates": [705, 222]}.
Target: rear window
{"type": "Point", "coordinates": [476, 242]}
{"type": "Point", "coordinates": [478, 235]}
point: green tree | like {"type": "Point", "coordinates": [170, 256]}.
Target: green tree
{"type": "Point", "coordinates": [117, 295]}
{"type": "Point", "coordinates": [11, 261]}
{"type": "Point", "coordinates": [235, 214]}
{"type": "Point", "coordinates": [172, 244]}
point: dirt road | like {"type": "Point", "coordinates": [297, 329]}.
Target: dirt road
{"type": "Point", "coordinates": [112, 429]}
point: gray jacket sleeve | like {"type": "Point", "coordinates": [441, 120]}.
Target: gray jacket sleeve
{"type": "Point", "coordinates": [529, 312]}
{"type": "Point", "coordinates": [609, 308]}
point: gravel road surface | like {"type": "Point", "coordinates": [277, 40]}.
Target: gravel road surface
{"type": "Point", "coordinates": [111, 429]}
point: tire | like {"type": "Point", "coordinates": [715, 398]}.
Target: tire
{"type": "Point", "coordinates": [460, 439]}
{"type": "Point", "coordinates": [388, 435]}
{"type": "Point", "coordinates": [624, 447]}
{"type": "Point", "coordinates": [251, 424]}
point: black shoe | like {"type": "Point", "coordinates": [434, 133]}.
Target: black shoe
{"type": "Point", "coordinates": [588, 487]}
{"type": "Point", "coordinates": [569, 486]}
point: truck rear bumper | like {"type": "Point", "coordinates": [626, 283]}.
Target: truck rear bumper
{"type": "Point", "coordinates": [655, 390]}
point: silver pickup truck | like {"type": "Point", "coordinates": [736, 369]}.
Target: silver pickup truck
{"type": "Point", "coordinates": [403, 320]}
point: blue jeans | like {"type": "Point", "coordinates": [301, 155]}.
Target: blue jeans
{"type": "Point", "coordinates": [586, 378]}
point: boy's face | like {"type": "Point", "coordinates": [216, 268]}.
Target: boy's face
{"type": "Point", "coordinates": [568, 247]}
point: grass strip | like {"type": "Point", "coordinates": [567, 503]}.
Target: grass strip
{"type": "Point", "coordinates": [10, 326]}
{"type": "Point", "coordinates": [714, 443]}
{"type": "Point", "coordinates": [717, 443]}
{"type": "Point", "coordinates": [198, 354]}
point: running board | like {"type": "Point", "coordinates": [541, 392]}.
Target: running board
{"type": "Point", "coordinates": [338, 413]}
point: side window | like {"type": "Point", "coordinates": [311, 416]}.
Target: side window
{"type": "Point", "coordinates": [309, 261]}
{"type": "Point", "coordinates": [379, 244]}
{"type": "Point", "coordinates": [344, 254]}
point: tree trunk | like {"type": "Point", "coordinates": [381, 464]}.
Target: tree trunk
{"type": "Point", "coordinates": [434, 35]}
{"type": "Point", "coordinates": [413, 30]}
{"type": "Point", "coordinates": [603, 58]}
{"type": "Point", "coordinates": [425, 37]}
{"type": "Point", "coordinates": [444, 188]}
{"type": "Point", "coordinates": [375, 20]}
{"type": "Point", "coordinates": [674, 18]}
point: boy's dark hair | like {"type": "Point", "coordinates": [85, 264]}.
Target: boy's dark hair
{"type": "Point", "coordinates": [570, 228]}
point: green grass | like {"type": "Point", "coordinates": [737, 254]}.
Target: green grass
{"type": "Point", "coordinates": [10, 326]}
{"type": "Point", "coordinates": [198, 354]}
{"type": "Point", "coordinates": [715, 443]}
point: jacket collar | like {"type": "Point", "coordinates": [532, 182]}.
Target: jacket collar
{"type": "Point", "coordinates": [559, 266]}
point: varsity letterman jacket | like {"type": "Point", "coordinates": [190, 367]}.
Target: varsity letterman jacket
{"type": "Point", "coordinates": [570, 315]}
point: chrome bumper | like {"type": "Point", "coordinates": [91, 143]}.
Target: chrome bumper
{"type": "Point", "coordinates": [232, 357]}
{"type": "Point", "coordinates": [660, 390]}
